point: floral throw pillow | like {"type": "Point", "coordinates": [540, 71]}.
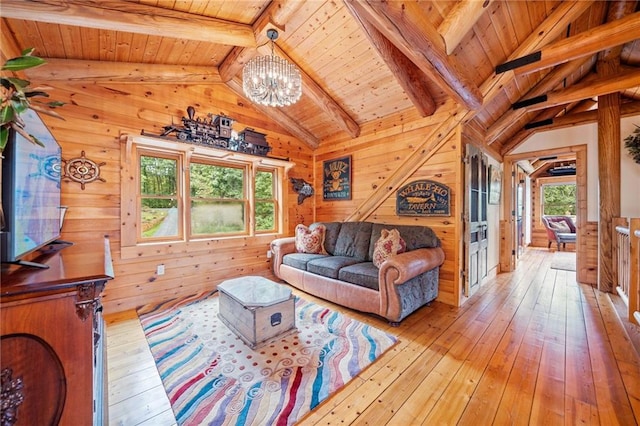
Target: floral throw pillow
{"type": "Point", "coordinates": [310, 240]}
{"type": "Point", "coordinates": [389, 243]}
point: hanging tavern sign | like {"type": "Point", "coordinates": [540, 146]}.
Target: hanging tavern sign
{"type": "Point", "coordinates": [423, 198]}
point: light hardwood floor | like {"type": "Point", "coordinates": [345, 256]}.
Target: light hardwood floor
{"type": "Point", "coordinates": [531, 347]}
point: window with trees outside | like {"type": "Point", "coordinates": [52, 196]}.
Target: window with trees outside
{"type": "Point", "coordinates": [559, 199]}
{"type": "Point", "coordinates": [186, 194]}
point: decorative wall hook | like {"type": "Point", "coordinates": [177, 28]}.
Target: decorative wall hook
{"type": "Point", "coordinates": [302, 188]}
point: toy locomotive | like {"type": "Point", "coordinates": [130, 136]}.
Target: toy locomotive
{"type": "Point", "coordinates": [216, 131]}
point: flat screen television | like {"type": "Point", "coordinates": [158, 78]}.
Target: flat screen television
{"type": "Point", "coordinates": [31, 177]}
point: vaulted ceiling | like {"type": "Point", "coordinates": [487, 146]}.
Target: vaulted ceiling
{"type": "Point", "coordinates": [517, 66]}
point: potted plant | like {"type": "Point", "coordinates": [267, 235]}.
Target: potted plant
{"type": "Point", "coordinates": [632, 143]}
{"type": "Point", "coordinates": [17, 97]}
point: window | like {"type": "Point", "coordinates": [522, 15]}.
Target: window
{"type": "Point", "coordinates": [218, 199]}
{"type": "Point", "coordinates": [559, 199]}
{"type": "Point", "coordinates": [187, 194]}
{"type": "Point", "coordinates": [265, 212]}
{"type": "Point", "coordinates": [159, 203]}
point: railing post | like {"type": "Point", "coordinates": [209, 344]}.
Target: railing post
{"type": "Point", "coordinates": [634, 271]}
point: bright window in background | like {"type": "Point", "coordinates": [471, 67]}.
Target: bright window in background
{"type": "Point", "coordinates": [559, 199]}
{"type": "Point", "coordinates": [159, 202]}
{"type": "Point", "coordinates": [265, 201]}
{"type": "Point", "coordinates": [183, 197]}
{"type": "Point", "coordinates": [218, 199]}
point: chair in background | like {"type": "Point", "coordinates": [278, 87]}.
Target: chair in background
{"type": "Point", "coordinates": [560, 229]}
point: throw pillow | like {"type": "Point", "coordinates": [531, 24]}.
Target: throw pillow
{"type": "Point", "coordinates": [310, 240]}
{"type": "Point", "coordinates": [560, 226]}
{"type": "Point", "coordinates": [389, 244]}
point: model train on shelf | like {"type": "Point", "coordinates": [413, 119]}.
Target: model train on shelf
{"type": "Point", "coordinates": [216, 131]}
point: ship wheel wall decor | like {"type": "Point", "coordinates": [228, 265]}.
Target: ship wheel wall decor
{"type": "Point", "coordinates": [82, 170]}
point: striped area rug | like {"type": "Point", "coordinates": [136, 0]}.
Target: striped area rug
{"type": "Point", "coordinates": [212, 377]}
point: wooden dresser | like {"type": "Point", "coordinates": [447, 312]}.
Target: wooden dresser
{"type": "Point", "coordinates": [52, 339]}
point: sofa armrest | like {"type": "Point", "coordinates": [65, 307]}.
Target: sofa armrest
{"type": "Point", "coordinates": [279, 248]}
{"type": "Point", "coordinates": [402, 267]}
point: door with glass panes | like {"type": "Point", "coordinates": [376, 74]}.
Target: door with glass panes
{"type": "Point", "coordinates": [475, 219]}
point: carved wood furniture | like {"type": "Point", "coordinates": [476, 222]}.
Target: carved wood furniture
{"type": "Point", "coordinates": [52, 339]}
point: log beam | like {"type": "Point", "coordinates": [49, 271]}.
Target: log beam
{"type": "Point", "coordinates": [550, 81]}
{"type": "Point", "coordinates": [133, 18]}
{"type": "Point", "coordinates": [122, 72]}
{"type": "Point", "coordinates": [608, 177]}
{"type": "Point", "coordinates": [603, 37]}
{"type": "Point", "coordinates": [405, 25]}
{"type": "Point", "coordinates": [459, 22]}
{"type": "Point", "coordinates": [549, 30]}
{"type": "Point", "coordinates": [587, 89]}
{"type": "Point", "coordinates": [409, 76]}
{"type": "Point", "coordinates": [579, 118]}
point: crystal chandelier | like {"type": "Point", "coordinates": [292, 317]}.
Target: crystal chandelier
{"type": "Point", "coordinates": [271, 80]}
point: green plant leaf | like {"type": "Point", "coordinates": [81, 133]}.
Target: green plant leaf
{"type": "Point", "coordinates": [22, 63]}
{"type": "Point", "coordinates": [4, 137]}
{"type": "Point", "coordinates": [19, 83]}
{"type": "Point", "coordinates": [28, 51]}
{"type": "Point", "coordinates": [7, 115]}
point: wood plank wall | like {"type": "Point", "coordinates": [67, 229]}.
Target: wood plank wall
{"type": "Point", "coordinates": [375, 155]}
{"type": "Point", "coordinates": [95, 116]}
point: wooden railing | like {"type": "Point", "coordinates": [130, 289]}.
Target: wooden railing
{"type": "Point", "coordinates": [627, 266]}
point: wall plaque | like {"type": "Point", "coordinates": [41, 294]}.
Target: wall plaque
{"type": "Point", "coordinates": [423, 198]}
{"type": "Point", "coordinates": [336, 182]}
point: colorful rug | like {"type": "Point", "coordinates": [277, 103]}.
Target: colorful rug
{"type": "Point", "coordinates": [211, 377]}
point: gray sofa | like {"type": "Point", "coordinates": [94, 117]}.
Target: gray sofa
{"type": "Point", "coordinates": [347, 276]}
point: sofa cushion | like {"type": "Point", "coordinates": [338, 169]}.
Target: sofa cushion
{"type": "Point", "coordinates": [560, 226]}
{"type": "Point", "coordinates": [310, 240]}
{"type": "Point", "coordinates": [415, 237]}
{"type": "Point", "coordinates": [329, 266]}
{"type": "Point", "coordinates": [364, 274]}
{"type": "Point", "coordinates": [300, 260]}
{"type": "Point", "coordinates": [390, 243]}
{"type": "Point", "coordinates": [331, 235]}
{"type": "Point", "coordinates": [353, 240]}
{"type": "Point", "coordinates": [561, 219]}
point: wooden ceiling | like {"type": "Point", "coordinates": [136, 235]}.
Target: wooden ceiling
{"type": "Point", "coordinates": [361, 60]}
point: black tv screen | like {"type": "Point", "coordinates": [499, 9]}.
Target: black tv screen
{"type": "Point", "coordinates": [30, 190]}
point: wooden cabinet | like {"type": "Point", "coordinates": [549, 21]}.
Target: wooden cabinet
{"type": "Point", "coordinates": [52, 339]}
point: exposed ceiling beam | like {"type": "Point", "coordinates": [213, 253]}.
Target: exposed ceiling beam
{"type": "Point", "coordinates": [414, 82]}
{"type": "Point", "coordinates": [603, 37]}
{"type": "Point", "coordinates": [276, 16]}
{"type": "Point", "coordinates": [322, 100]}
{"type": "Point", "coordinates": [459, 21]}
{"type": "Point", "coordinates": [133, 18]}
{"type": "Point", "coordinates": [122, 72]}
{"type": "Point", "coordinates": [277, 115]}
{"type": "Point", "coordinates": [524, 134]}
{"type": "Point", "coordinates": [583, 90]}
{"type": "Point", "coordinates": [567, 120]}
{"type": "Point", "coordinates": [405, 25]}
{"type": "Point", "coordinates": [550, 81]}
{"type": "Point", "coordinates": [584, 117]}
{"type": "Point", "coordinates": [617, 9]}
{"type": "Point", "coordinates": [550, 29]}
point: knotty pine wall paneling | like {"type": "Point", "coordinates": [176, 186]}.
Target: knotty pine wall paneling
{"type": "Point", "coordinates": [96, 115]}
{"type": "Point", "coordinates": [380, 152]}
